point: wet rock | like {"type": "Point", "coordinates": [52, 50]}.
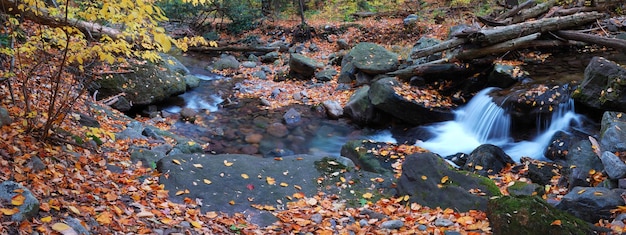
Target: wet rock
{"type": "Point", "coordinates": [358, 152]}
{"type": "Point", "coordinates": [259, 74]}
{"type": "Point", "coordinates": [30, 206]}
{"type": "Point", "coordinates": [531, 215]}
{"type": "Point", "coordinates": [505, 75]}
{"type": "Point", "coordinates": [173, 64]}
{"type": "Point", "coordinates": [36, 164]}
{"type": "Point", "coordinates": [383, 97]}
{"type": "Point", "coordinates": [188, 114]}
{"type": "Point", "coordinates": [225, 62]}
{"type": "Point", "coordinates": [613, 132]}
{"type": "Point", "coordinates": [149, 132]}
{"type": "Point", "coordinates": [540, 172]}
{"type": "Point", "coordinates": [5, 118]}
{"type": "Point", "coordinates": [558, 146]}
{"type": "Point", "coordinates": [333, 109]}
{"type": "Point", "coordinates": [614, 167]}
{"type": "Point", "coordinates": [347, 73]}
{"type": "Point", "coordinates": [361, 111]}
{"type": "Point", "coordinates": [302, 67]}
{"type": "Point", "coordinates": [372, 59]}
{"type": "Point", "coordinates": [421, 180]}
{"type": "Point", "coordinates": [604, 86]}
{"type": "Point", "coordinates": [292, 117]}
{"type": "Point", "coordinates": [326, 75]}
{"type": "Point", "coordinates": [122, 104]}
{"type": "Point", "coordinates": [278, 152]}
{"type": "Point", "coordinates": [277, 130]}
{"type": "Point", "coordinates": [591, 203]}
{"type": "Point", "coordinates": [580, 160]}
{"type": "Point", "coordinates": [424, 42]}
{"type": "Point", "coordinates": [77, 225]}
{"type": "Point", "coordinates": [535, 104]}
{"type": "Point", "coordinates": [191, 81]}
{"type": "Point", "coordinates": [253, 138]}
{"type": "Point", "coordinates": [487, 159]}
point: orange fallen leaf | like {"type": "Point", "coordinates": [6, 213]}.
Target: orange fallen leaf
{"type": "Point", "coordinates": [556, 222]}
{"type": "Point", "coordinates": [232, 202]}
{"type": "Point", "coordinates": [18, 200]}
{"type": "Point", "coordinates": [104, 218]}
{"type": "Point", "coordinates": [444, 179]}
{"type": "Point", "coordinates": [6, 211]}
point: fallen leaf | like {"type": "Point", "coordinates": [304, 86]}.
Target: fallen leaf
{"type": "Point", "coordinates": [211, 214]}
{"type": "Point", "coordinates": [6, 211]}
{"type": "Point", "coordinates": [250, 186]}
{"type": "Point", "coordinates": [64, 229]}
{"type": "Point", "coordinates": [311, 201]}
{"type": "Point", "coordinates": [18, 200]}
{"type": "Point", "coordinates": [270, 180]}
{"type": "Point", "coordinates": [245, 176]}
{"type": "Point", "coordinates": [46, 219]}
{"type": "Point", "coordinates": [197, 165]}
{"type": "Point", "coordinates": [176, 161]}
{"type": "Point", "coordinates": [227, 163]}
{"type": "Point", "coordinates": [231, 202]}
{"type": "Point", "coordinates": [74, 209]}
{"type": "Point", "coordinates": [283, 184]}
{"type": "Point", "coordinates": [206, 181]}
{"type": "Point", "coordinates": [556, 222]}
{"type": "Point", "coordinates": [444, 179]}
{"type": "Point", "coordinates": [196, 224]}
{"type": "Point", "coordinates": [104, 218]}
{"type": "Point", "coordinates": [367, 195]}
{"type": "Point", "coordinates": [424, 177]}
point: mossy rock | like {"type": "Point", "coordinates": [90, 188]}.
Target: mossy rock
{"type": "Point", "coordinates": [357, 151]}
{"type": "Point", "coordinates": [531, 215]}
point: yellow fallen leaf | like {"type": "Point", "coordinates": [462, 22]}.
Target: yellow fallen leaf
{"type": "Point", "coordinates": [104, 218]}
{"type": "Point", "coordinates": [46, 219]}
{"type": "Point", "coordinates": [18, 200]}
{"type": "Point", "coordinates": [245, 176]}
{"type": "Point", "coordinates": [176, 161]}
{"type": "Point", "coordinates": [478, 167]}
{"type": "Point", "coordinates": [74, 209]}
{"type": "Point", "coordinates": [367, 195]}
{"type": "Point", "coordinates": [231, 202]}
{"type": "Point", "coordinates": [283, 184]}
{"type": "Point", "coordinates": [196, 224]}
{"type": "Point", "coordinates": [270, 180]}
{"type": "Point", "coordinates": [167, 220]}
{"type": "Point", "coordinates": [198, 165]}
{"type": "Point", "coordinates": [227, 163]}
{"type": "Point", "coordinates": [424, 177]}
{"type": "Point", "coordinates": [297, 187]}
{"type": "Point", "coordinates": [444, 179]}
{"type": "Point", "coordinates": [180, 192]}
{"type": "Point", "coordinates": [63, 229]}
{"type": "Point", "coordinates": [6, 211]}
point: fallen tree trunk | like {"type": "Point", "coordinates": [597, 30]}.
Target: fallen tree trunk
{"type": "Point", "coordinates": [514, 44]}
{"type": "Point", "coordinates": [532, 12]}
{"type": "Point", "coordinates": [439, 47]}
{"type": "Point", "coordinates": [44, 17]}
{"type": "Point", "coordinates": [234, 48]}
{"type": "Point", "coordinates": [618, 44]}
{"type": "Point", "coordinates": [515, 10]}
{"type": "Point", "coordinates": [505, 33]}
{"type": "Point", "coordinates": [429, 69]}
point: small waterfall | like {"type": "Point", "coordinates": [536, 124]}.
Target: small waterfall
{"type": "Point", "coordinates": [481, 121]}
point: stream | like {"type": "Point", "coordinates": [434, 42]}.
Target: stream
{"type": "Point", "coordinates": [243, 127]}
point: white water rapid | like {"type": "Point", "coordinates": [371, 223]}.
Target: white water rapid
{"type": "Point", "coordinates": [483, 122]}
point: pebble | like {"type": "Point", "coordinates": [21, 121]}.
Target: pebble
{"type": "Point", "coordinates": [317, 218]}
{"type": "Point", "coordinates": [422, 227]}
{"type": "Point", "coordinates": [441, 222]}
{"type": "Point", "coordinates": [363, 222]}
{"type": "Point", "coordinates": [392, 224]}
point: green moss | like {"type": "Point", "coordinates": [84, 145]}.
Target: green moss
{"type": "Point", "coordinates": [491, 186]}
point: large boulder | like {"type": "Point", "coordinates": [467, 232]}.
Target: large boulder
{"type": "Point", "coordinates": [505, 75]}
{"type": "Point", "coordinates": [604, 86]}
{"type": "Point", "coordinates": [145, 84]}
{"type": "Point", "coordinates": [359, 151]}
{"type": "Point", "coordinates": [579, 161]}
{"type": "Point", "coordinates": [372, 59]}
{"type": "Point", "coordinates": [303, 67]}
{"type": "Point", "coordinates": [429, 180]}
{"type": "Point", "coordinates": [531, 215]}
{"type": "Point", "coordinates": [236, 183]}
{"type": "Point", "coordinates": [613, 132]}
{"type": "Point", "coordinates": [225, 62]}
{"type": "Point", "coordinates": [384, 97]}
{"type": "Point", "coordinates": [361, 111]}
{"type": "Point", "coordinates": [424, 42]}
{"type": "Point", "coordinates": [591, 203]}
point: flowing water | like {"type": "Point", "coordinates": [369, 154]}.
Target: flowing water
{"type": "Point", "coordinates": [481, 121]}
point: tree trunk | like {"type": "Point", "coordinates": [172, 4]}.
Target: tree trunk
{"type": "Point", "coordinates": [615, 43]}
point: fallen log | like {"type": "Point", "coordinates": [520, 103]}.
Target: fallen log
{"type": "Point", "coordinates": [505, 33]}
{"type": "Point", "coordinates": [234, 48]}
{"type": "Point", "coordinates": [42, 16]}
{"type": "Point", "coordinates": [439, 47]}
{"type": "Point", "coordinates": [532, 12]}
{"type": "Point", "coordinates": [615, 43]}
{"type": "Point", "coordinates": [515, 10]}
{"type": "Point", "coordinates": [514, 44]}
{"type": "Point", "coordinates": [430, 69]}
